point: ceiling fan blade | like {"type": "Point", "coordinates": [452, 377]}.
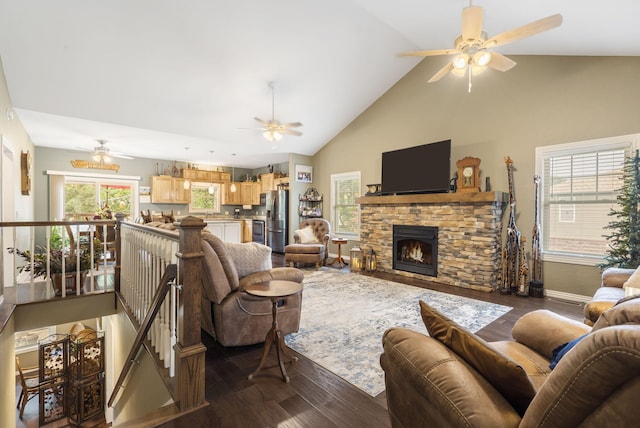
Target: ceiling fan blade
{"type": "Point", "coordinates": [291, 132]}
{"type": "Point", "coordinates": [443, 72]}
{"type": "Point", "coordinates": [500, 62]}
{"type": "Point", "coordinates": [118, 155]}
{"type": "Point", "coordinates": [527, 30]}
{"type": "Point", "coordinates": [471, 23]}
{"type": "Point", "coordinates": [262, 122]}
{"type": "Point", "coordinates": [433, 52]}
{"type": "Point", "coordinates": [292, 125]}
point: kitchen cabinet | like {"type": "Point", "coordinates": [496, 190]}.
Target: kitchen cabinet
{"type": "Point", "coordinates": [247, 231]}
{"type": "Point", "coordinates": [256, 189]}
{"type": "Point", "coordinates": [282, 182]}
{"type": "Point", "coordinates": [228, 231]}
{"type": "Point", "coordinates": [205, 176]}
{"type": "Point", "coordinates": [250, 193]}
{"type": "Point", "coordinates": [246, 193]}
{"type": "Point", "coordinates": [229, 197]}
{"type": "Point", "coordinates": [169, 190]}
{"type": "Point", "coordinates": [268, 181]}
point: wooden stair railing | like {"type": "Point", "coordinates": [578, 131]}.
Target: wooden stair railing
{"type": "Point", "coordinates": [187, 353]}
{"type": "Point", "coordinates": [167, 280]}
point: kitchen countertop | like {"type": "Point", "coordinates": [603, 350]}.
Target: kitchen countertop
{"type": "Point", "coordinates": [225, 219]}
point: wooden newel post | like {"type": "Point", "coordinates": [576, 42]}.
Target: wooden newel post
{"type": "Point", "coordinates": [120, 217]}
{"type": "Point", "coordinates": [190, 352]}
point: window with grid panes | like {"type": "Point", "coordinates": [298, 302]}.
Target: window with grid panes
{"type": "Point", "coordinates": [579, 182]}
{"type": "Point", "coordinates": [345, 215]}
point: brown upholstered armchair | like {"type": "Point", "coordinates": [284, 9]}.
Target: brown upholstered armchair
{"type": "Point", "coordinates": [310, 243]}
{"type": "Point", "coordinates": [595, 384]}
{"type": "Point", "coordinates": [229, 314]}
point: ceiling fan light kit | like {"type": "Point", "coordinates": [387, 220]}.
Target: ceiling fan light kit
{"type": "Point", "coordinates": [471, 46]}
{"type": "Point", "coordinates": [273, 129]}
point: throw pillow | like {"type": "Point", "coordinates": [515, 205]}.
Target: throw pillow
{"type": "Point", "coordinates": [634, 280]}
{"type": "Point", "coordinates": [507, 376]}
{"type": "Point", "coordinates": [249, 257]}
{"type": "Point", "coordinates": [307, 236]}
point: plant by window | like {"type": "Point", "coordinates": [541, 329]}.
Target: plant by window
{"type": "Point", "coordinates": [624, 242]}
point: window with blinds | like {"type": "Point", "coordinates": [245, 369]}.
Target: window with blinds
{"type": "Point", "coordinates": [579, 185]}
{"type": "Point", "coordinates": [345, 216]}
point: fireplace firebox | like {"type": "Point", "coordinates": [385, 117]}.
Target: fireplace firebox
{"type": "Point", "coordinates": [415, 249]}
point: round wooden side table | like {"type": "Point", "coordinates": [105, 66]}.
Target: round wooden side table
{"type": "Point", "coordinates": [338, 259]}
{"type": "Point", "coordinates": [274, 290]}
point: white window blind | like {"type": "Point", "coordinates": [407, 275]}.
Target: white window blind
{"type": "Point", "coordinates": [579, 186]}
{"type": "Point", "coordinates": [345, 215]}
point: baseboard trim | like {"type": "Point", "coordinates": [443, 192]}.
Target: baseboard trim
{"type": "Point", "coordinates": [567, 296]}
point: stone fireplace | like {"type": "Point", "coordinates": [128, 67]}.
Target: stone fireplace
{"type": "Point", "coordinates": [415, 249]}
{"type": "Point", "coordinates": [468, 231]}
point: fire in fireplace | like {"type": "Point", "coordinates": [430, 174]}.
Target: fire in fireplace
{"type": "Point", "coordinates": [415, 249]}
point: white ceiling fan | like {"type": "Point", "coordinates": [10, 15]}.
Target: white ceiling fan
{"type": "Point", "coordinates": [273, 129]}
{"type": "Point", "coordinates": [472, 45]}
{"type": "Point", "coordinates": [102, 153]}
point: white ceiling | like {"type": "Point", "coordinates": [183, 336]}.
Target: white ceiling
{"type": "Point", "coordinates": [155, 76]}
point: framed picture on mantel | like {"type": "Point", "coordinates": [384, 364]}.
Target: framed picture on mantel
{"type": "Point", "coordinates": [304, 173]}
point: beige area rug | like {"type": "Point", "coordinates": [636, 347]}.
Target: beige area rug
{"type": "Point", "coordinates": [344, 316]}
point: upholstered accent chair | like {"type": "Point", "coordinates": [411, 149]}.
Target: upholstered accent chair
{"type": "Point", "coordinates": [311, 242]}
{"type": "Point", "coordinates": [229, 314]}
{"type": "Point", "coordinates": [453, 378]}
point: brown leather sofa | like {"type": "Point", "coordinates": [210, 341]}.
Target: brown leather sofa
{"type": "Point", "coordinates": [230, 315]}
{"type": "Point", "coordinates": [312, 249]}
{"type": "Point", "coordinates": [596, 384]}
{"type": "Point", "coordinates": [608, 294]}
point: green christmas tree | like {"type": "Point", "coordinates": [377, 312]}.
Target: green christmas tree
{"type": "Point", "coordinates": [624, 248]}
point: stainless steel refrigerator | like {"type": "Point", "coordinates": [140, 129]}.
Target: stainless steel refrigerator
{"type": "Point", "coordinates": [277, 219]}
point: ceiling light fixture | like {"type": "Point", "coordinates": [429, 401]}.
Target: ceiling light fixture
{"type": "Point", "coordinates": [210, 179]}
{"type": "Point", "coordinates": [273, 129]}
{"type": "Point", "coordinates": [233, 174]}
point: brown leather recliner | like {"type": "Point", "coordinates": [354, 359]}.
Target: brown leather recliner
{"type": "Point", "coordinates": [229, 314]}
{"type": "Point", "coordinates": [610, 291]}
{"type": "Point", "coordinates": [309, 249]}
{"type": "Point", "coordinates": [596, 384]}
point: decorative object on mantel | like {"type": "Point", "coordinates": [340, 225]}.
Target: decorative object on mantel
{"type": "Point", "coordinates": [374, 189]}
{"type": "Point", "coordinates": [468, 175]}
{"type": "Point", "coordinates": [536, 286]}
{"type": "Point", "coordinates": [511, 253]}
{"type": "Point", "coordinates": [95, 165]}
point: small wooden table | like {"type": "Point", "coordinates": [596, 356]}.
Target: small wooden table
{"type": "Point", "coordinates": [339, 259]}
{"type": "Point", "coordinates": [274, 290]}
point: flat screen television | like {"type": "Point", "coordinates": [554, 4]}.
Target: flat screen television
{"type": "Point", "coordinates": [420, 169]}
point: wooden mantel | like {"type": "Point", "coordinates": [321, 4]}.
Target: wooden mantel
{"type": "Point", "coordinates": [435, 198]}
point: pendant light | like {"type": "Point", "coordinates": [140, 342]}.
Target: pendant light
{"type": "Point", "coordinates": [187, 183]}
{"type": "Point", "coordinates": [233, 174]}
{"type": "Point", "coordinates": [210, 179]}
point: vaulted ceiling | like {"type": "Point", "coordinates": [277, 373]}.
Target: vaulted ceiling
{"type": "Point", "coordinates": [154, 77]}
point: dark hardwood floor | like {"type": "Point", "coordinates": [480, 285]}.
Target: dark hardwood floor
{"type": "Point", "coordinates": [314, 397]}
